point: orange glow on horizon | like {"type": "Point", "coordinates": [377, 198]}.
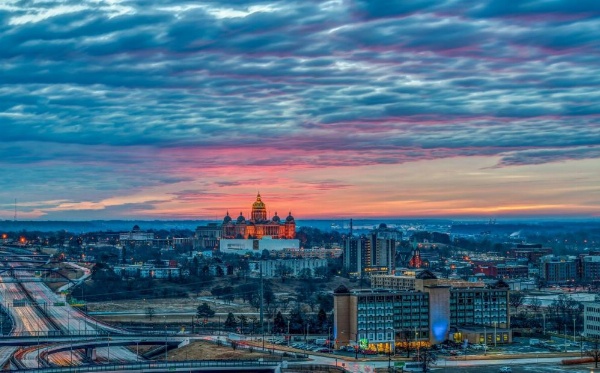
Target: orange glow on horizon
{"type": "Point", "coordinates": [377, 191]}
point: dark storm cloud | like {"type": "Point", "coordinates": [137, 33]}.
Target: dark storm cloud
{"type": "Point", "coordinates": [538, 156]}
{"type": "Point", "coordinates": [491, 8]}
{"type": "Point", "coordinates": [114, 92]}
{"type": "Point", "coordinates": [394, 7]}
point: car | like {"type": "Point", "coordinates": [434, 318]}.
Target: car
{"type": "Point", "coordinates": [505, 370]}
{"type": "Point", "coordinates": [453, 352]}
{"type": "Point", "coordinates": [369, 352]}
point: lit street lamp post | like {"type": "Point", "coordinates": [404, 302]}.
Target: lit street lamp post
{"type": "Point", "coordinates": [484, 341]}
{"type": "Point", "coordinates": [306, 338]}
{"type": "Point", "coordinates": [495, 333]}
{"type": "Point", "coordinates": [418, 344]}
{"type": "Point", "coordinates": [355, 345]}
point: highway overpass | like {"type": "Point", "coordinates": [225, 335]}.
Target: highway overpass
{"type": "Point", "coordinates": [247, 366]}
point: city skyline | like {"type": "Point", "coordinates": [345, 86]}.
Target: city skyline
{"type": "Point", "coordinates": [330, 109]}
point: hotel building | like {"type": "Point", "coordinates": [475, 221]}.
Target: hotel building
{"type": "Point", "coordinates": [428, 313]}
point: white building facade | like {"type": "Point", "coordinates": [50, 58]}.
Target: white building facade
{"type": "Point", "coordinates": [591, 320]}
{"type": "Point", "coordinates": [256, 246]}
{"type": "Point", "coordinates": [287, 267]}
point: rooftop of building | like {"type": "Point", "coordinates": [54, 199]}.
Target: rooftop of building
{"type": "Point", "coordinates": [344, 290]}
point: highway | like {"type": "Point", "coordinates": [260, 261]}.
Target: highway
{"type": "Point", "coordinates": [29, 319]}
{"type": "Point", "coordinates": [26, 320]}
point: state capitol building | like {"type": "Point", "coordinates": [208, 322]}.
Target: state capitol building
{"type": "Point", "coordinates": [258, 225]}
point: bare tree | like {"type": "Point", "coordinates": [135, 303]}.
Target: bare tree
{"type": "Point", "coordinates": [594, 352]}
{"type": "Point", "coordinates": [535, 304]}
{"type": "Point", "coordinates": [516, 299]}
{"type": "Point", "coordinates": [427, 358]}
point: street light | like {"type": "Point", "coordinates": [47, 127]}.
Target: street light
{"type": "Point", "coordinates": [166, 346]}
{"type": "Point", "coordinates": [544, 318]}
{"type": "Point", "coordinates": [392, 345]}
{"type": "Point", "coordinates": [565, 337]}
{"type": "Point", "coordinates": [306, 338]}
{"type": "Point", "coordinates": [418, 344]}
{"type": "Point", "coordinates": [495, 331]}
{"type": "Point", "coordinates": [484, 341]}
{"type": "Point", "coordinates": [394, 340]}
{"type": "Point", "coordinates": [356, 346]}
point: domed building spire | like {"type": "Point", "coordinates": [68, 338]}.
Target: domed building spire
{"type": "Point", "coordinates": [259, 210]}
{"type": "Point", "coordinates": [258, 225]}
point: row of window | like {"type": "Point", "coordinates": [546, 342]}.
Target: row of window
{"type": "Point", "coordinates": [478, 294]}
{"type": "Point", "coordinates": [392, 298]}
{"type": "Point", "coordinates": [389, 336]}
{"type": "Point", "coordinates": [500, 337]}
{"type": "Point", "coordinates": [377, 306]}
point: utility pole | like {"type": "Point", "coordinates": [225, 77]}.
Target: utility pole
{"type": "Point", "coordinates": [262, 314]}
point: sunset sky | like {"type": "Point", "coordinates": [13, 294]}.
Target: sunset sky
{"type": "Point", "coordinates": [178, 109]}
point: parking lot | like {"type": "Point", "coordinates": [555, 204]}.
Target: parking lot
{"type": "Point", "coordinates": [309, 346]}
{"type": "Point", "coordinates": [518, 347]}
{"type": "Point", "coordinates": [515, 368]}
{"type": "Point", "coordinates": [529, 346]}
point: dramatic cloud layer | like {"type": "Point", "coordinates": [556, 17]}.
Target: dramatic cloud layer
{"type": "Point", "coordinates": [176, 108]}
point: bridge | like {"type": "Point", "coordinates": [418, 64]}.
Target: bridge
{"type": "Point", "coordinates": [12, 272]}
{"type": "Point", "coordinates": [181, 366]}
{"type": "Point", "coordinates": [93, 338]}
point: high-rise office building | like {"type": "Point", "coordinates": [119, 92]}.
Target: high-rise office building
{"type": "Point", "coordinates": [558, 269]}
{"type": "Point", "coordinates": [373, 253]}
{"type": "Point", "coordinates": [357, 255]}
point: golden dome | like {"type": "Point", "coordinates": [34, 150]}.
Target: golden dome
{"type": "Point", "coordinates": [259, 204]}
